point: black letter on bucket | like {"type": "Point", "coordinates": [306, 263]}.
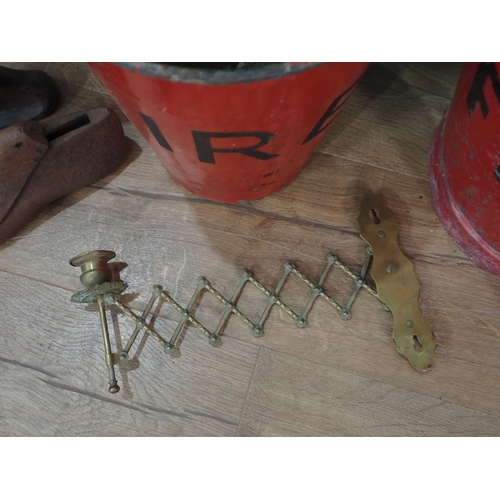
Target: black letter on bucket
{"type": "Point", "coordinates": [202, 141]}
{"type": "Point", "coordinates": [156, 131]}
{"type": "Point", "coordinates": [476, 93]}
{"type": "Point", "coordinates": [497, 172]}
{"type": "Point", "coordinates": [333, 108]}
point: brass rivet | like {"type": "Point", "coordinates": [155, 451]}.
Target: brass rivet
{"type": "Point", "coordinates": [391, 266]}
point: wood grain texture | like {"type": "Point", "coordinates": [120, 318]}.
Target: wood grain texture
{"type": "Point", "coordinates": [391, 121]}
{"type": "Point", "coordinates": [284, 390]}
{"type": "Point", "coordinates": [54, 379]}
{"type": "Point", "coordinates": [53, 375]}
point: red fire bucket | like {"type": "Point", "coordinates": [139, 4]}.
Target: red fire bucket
{"type": "Point", "coordinates": [231, 135]}
{"type": "Point", "coordinates": [464, 165]}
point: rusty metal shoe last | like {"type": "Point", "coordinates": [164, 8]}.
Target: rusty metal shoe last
{"type": "Point", "coordinates": [41, 162]}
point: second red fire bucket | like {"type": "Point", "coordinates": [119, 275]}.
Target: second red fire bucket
{"type": "Point", "coordinates": [464, 165]}
{"type": "Point", "coordinates": [233, 134]}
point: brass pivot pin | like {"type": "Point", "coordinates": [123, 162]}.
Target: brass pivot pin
{"type": "Point", "coordinates": [96, 277]}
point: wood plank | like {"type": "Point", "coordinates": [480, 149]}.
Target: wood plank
{"type": "Point", "coordinates": [327, 223]}
{"type": "Point", "coordinates": [172, 242]}
{"type": "Point", "coordinates": [388, 122]}
{"type": "Point", "coordinates": [54, 380]}
{"type": "Point", "coordinates": [169, 236]}
{"type": "Point", "coordinates": [288, 397]}
{"type": "Point", "coordinates": [436, 78]}
{"type": "Point", "coordinates": [76, 75]}
{"type": "Point", "coordinates": [338, 186]}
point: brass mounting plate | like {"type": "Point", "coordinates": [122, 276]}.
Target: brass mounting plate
{"type": "Point", "coordinates": [396, 283]}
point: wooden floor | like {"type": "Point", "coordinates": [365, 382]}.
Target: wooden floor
{"type": "Point", "coordinates": [332, 378]}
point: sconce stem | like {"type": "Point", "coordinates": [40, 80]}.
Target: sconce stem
{"type": "Point", "coordinates": [113, 384]}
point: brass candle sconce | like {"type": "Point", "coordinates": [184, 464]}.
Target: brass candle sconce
{"type": "Point", "coordinates": [397, 289]}
{"type": "Point", "coordinates": [96, 277]}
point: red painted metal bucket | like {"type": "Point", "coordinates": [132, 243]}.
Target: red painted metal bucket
{"type": "Point", "coordinates": [464, 165]}
{"type": "Point", "coordinates": [231, 135]}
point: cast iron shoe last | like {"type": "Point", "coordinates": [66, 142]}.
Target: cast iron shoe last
{"type": "Point", "coordinates": [41, 162]}
{"type": "Point", "coordinates": [26, 95]}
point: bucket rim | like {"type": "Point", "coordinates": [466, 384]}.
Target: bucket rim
{"type": "Point", "coordinates": [270, 71]}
